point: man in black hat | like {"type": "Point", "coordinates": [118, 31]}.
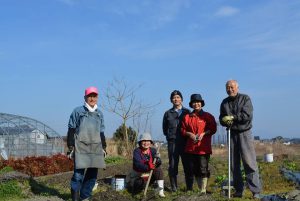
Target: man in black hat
{"type": "Point", "coordinates": [236, 113]}
{"type": "Point", "coordinates": [176, 143]}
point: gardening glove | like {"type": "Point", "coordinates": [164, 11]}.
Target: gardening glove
{"type": "Point", "coordinates": [196, 140]}
{"type": "Point", "coordinates": [70, 152]}
{"type": "Point", "coordinates": [158, 162]}
{"type": "Point", "coordinates": [104, 153]}
{"type": "Point", "coordinates": [157, 155]}
{"type": "Point", "coordinates": [228, 120]}
{"type": "Point", "coordinates": [200, 136]}
{"type": "Point", "coordinates": [151, 165]}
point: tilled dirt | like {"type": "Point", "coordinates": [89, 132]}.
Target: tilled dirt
{"type": "Point", "coordinates": [44, 198]}
{"type": "Point", "coordinates": [110, 195]}
{"type": "Point", "coordinates": [194, 198]}
{"type": "Point", "coordinates": [107, 193]}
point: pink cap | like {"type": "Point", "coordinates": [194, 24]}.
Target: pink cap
{"type": "Point", "coordinates": [91, 90]}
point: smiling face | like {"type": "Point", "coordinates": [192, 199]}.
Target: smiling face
{"type": "Point", "coordinates": [197, 106]}
{"type": "Point", "coordinates": [176, 100]}
{"type": "Point", "coordinates": [91, 99]}
{"type": "Point", "coordinates": [232, 88]}
{"type": "Point", "coordinates": [145, 144]}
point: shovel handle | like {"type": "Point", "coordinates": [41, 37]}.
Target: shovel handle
{"type": "Point", "coordinates": [150, 175]}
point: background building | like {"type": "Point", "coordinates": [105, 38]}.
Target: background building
{"type": "Point", "coordinates": [23, 136]}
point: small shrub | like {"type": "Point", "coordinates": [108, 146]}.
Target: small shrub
{"type": "Point", "coordinates": [41, 165]}
{"type": "Point", "coordinates": [290, 165]}
{"type": "Point", "coordinates": [220, 179]}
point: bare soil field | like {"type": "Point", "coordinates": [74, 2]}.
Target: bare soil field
{"type": "Point", "coordinates": [57, 187]}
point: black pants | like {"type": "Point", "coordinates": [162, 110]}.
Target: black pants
{"type": "Point", "coordinates": [140, 183]}
{"type": "Point", "coordinates": [175, 150]}
{"type": "Point", "coordinates": [198, 165]}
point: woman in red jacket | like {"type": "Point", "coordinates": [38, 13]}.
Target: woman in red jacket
{"type": "Point", "coordinates": [198, 127]}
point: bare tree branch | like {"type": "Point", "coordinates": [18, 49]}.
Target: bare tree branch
{"type": "Point", "coordinates": [120, 99]}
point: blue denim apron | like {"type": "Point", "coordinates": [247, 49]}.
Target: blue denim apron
{"type": "Point", "coordinates": [88, 147]}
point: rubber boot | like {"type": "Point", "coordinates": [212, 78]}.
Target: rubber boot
{"type": "Point", "coordinates": [173, 182]}
{"type": "Point", "coordinates": [75, 195]}
{"type": "Point", "coordinates": [199, 182]}
{"type": "Point", "coordinates": [203, 185]}
{"type": "Point", "coordinates": [160, 184]}
{"type": "Point", "coordinates": [189, 183]}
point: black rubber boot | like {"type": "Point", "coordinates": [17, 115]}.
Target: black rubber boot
{"type": "Point", "coordinates": [189, 183]}
{"type": "Point", "coordinates": [173, 182]}
{"type": "Point", "coordinates": [75, 195]}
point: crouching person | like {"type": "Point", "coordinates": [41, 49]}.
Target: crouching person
{"type": "Point", "coordinates": [143, 162]}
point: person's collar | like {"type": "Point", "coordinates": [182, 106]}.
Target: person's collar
{"type": "Point", "coordinates": [176, 109]}
{"type": "Point", "coordinates": [198, 113]}
{"type": "Point", "coordinates": [233, 97]}
{"type": "Point", "coordinates": [91, 109]}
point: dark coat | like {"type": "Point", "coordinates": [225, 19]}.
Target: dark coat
{"type": "Point", "coordinates": [241, 108]}
{"type": "Point", "coordinates": [172, 123]}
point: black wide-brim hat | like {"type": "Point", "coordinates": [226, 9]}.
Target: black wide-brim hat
{"type": "Point", "coordinates": [196, 97]}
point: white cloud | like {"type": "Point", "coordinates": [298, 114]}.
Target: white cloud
{"type": "Point", "coordinates": [227, 11]}
{"type": "Point", "coordinates": [167, 12]}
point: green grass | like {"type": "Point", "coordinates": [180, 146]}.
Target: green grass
{"type": "Point", "coordinates": [44, 189]}
{"type": "Point", "coordinates": [114, 160]}
{"type": "Point", "coordinates": [272, 180]}
{"type": "Point", "coordinates": [6, 169]}
{"type": "Point", "coordinates": [293, 165]}
{"type": "Point", "coordinates": [10, 190]}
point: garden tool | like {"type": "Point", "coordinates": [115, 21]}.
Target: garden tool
{"type": "Point", "coordinates": [150, 174]}
{"type": "Point", "coordinates": [228, 131]}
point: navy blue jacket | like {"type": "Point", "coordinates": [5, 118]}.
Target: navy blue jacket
{"type": "Point", "coordinates": [140, 161]}
{"type": "Point", "coordinates": [172, 124]}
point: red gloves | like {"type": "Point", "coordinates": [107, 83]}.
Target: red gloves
{"type": "Point", "coordinates": [151, 165]}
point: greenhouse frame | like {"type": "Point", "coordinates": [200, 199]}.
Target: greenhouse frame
{"type": "Point", "coordinates": [23, 136]}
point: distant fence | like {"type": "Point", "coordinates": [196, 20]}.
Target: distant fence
{"type": "Point", "coordinates": [220, 137]}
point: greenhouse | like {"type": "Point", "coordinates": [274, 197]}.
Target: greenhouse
{"type": "Point", "coordinates": [23, 136]}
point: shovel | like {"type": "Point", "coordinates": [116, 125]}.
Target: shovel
{"type": "Point", "coordinates": [229, 187]}
{"type": "Point", "coordinates": [150, 175]}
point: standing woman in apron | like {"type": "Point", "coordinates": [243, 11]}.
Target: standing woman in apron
{"type": "Point", "coordinates": [86, 142]}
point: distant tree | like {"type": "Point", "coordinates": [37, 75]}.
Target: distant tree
{"type": "Point", "coordinates": [278, 139]}
{"type": "Point", "coordinates": [120, 134]}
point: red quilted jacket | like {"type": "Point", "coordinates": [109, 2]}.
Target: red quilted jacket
{"type": "Point", "coordinates": [197, 123]}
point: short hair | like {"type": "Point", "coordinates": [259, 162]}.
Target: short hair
{"type": "Point", "coordinates": [232, 80]}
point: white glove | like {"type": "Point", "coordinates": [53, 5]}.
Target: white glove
{"type": "Point", "coordinates": [70, 153]}
{"type": "Point", "coordinates": [104, 153]}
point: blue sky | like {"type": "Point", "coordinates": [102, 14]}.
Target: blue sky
{"type": "Point", "coordinates": [51, 50]}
